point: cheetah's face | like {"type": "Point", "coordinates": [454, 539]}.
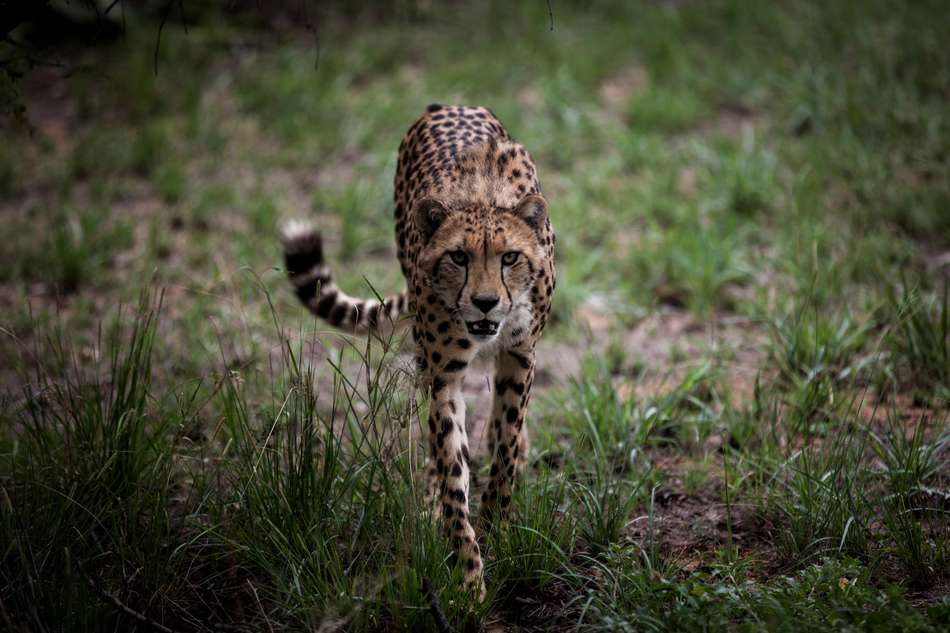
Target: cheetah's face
{"type": "Point", "coordinates": [483, 269]}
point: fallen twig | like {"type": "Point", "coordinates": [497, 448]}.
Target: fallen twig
{"type": "Point", "coordinates": [435, 607]}
{"type": "Point", "coordinates": [118, 604]}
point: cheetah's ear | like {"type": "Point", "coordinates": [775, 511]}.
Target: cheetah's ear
{"type": "Point", "coordinates": [430, 214]}
{"type": "Point", "coordinates": [533, 210]}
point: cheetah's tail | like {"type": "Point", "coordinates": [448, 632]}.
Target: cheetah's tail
{"type": "Point", "coordinates": [303, 256]}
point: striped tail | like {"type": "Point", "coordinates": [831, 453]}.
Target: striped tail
{"type": "Point", "coordinates": [303, 255]}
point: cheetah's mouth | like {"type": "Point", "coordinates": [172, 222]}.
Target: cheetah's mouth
{"type": "Point", "coordinates": [482, 328]}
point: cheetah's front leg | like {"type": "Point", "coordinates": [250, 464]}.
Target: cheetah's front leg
{"type": "Point", "coordinates": [508, 440]}
{"type": "Point", "coordinates": [448, 442]}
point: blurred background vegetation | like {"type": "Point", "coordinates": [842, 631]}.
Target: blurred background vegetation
{"type": "Point", "coordinates": [742, 402]}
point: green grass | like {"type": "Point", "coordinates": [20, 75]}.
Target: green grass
{"type": "Point", "coordinates": [635, 596]}
{"type": "Point", "coordinates": [76, 249]}
{"type": "Point", "coordinates": [920, 339]}
{"type": "Point", "coordinates": [740, 420]}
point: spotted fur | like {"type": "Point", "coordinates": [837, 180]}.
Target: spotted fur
{"type": "Point", "coordinates": [476, 247]}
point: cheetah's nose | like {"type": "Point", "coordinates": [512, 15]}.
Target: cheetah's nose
{"type": "Point", "coordinates": [485, 302]}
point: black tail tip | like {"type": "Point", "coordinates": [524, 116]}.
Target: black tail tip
{"type": "Point", "coordinates": [303, 246]}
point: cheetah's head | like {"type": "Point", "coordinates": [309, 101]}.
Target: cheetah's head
{"type": "Point", "coordinates": [482, 266]}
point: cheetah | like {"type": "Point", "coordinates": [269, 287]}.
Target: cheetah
{"type": "Point", "coordinates": [475, 244]}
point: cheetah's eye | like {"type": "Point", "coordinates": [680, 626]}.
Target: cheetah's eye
{"type": "Point", "coordinates": [459, 257]}
{"type": "Point", "coordinates": [509, 258]}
